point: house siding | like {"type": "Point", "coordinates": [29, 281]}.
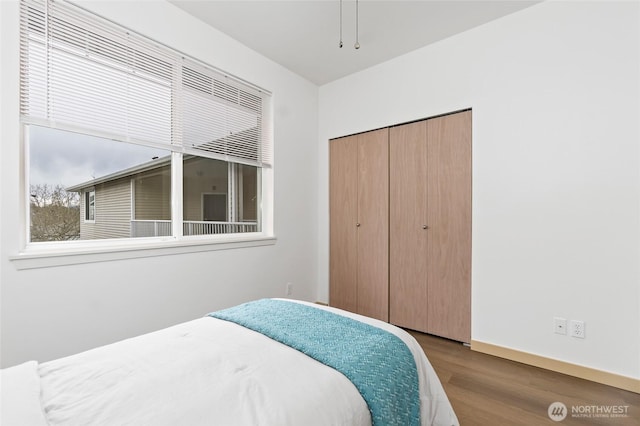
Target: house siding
{"type": "Point", "coordinates": [153, 196]}
{"type": "Point", "coordinates": [112, 212]}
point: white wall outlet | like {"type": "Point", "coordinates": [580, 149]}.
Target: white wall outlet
{"type": "Point", "coordinates": [577, 329]}
{"type": "Point", "coordinates": [289, 289]}
{"type": "Point", "coordinates": [560, 325]}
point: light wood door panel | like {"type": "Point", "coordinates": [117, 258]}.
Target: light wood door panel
{"type": "Point", "coordinates": [373, 217]}
{"type": "Point", "coordinates": [408, 215]}
{"type": "Point", "coordinates": [449, 220]}
{"type": "Point", "coordinates": [343, 212]}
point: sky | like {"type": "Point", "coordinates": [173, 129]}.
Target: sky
{"type": "Point", "coordinates": [58, 157]}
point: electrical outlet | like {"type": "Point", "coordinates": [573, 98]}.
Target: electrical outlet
{"type": "Point", "coordinates": [289, 289]}
{"type": "Point", "coordinates": [577, 329]}
{"type": "Point", "coordinates": [559, 325]}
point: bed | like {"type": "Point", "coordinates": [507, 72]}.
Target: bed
{"type": "Point", "coordinates": [267, 362]}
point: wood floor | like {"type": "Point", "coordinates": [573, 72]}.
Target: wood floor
{"type": "Point", "coordinates": [490, 391]}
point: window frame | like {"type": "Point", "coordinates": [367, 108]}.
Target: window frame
{"type": "Point", "coordinates": [60, 253]}
{"type": "Point", "coordinates": [44, 254]}
{"type": "Point", "coordinates": [88, 207]}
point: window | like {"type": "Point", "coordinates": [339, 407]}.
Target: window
{"type": "Point", "coordinates": [89, 205]}
{"type": "Point", "coordinates": [127, 138]}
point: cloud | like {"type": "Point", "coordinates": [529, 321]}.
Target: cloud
{"type": "Point", "coordinates": [66, 158]}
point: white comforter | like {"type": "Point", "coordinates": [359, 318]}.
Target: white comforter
{"type": "Point", "coordinates": [202, 372]}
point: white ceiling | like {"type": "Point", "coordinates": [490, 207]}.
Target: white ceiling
{"type": "Point", "coordinates": [303, 35]}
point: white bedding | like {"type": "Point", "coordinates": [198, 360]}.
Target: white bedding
{"type": "Point", "coordinates": [203, 372]}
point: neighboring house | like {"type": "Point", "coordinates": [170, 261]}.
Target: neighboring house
{"type": "Point", "coordinates": [218, 197]}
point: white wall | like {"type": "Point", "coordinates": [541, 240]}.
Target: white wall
{"type": "Point", "coordinates": [52, 312]}
{"type": "Point", "coordinates": [556, 189]}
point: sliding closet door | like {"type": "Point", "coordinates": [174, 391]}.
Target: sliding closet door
{"type": "Point", "coordinates": [407, 233]}
{"type": "Point", "coordinates": [400, 236]}
{"type": "Point", "coordinates": [449, 220]}
{"type": "Point", "coordinates": [373, 224]}
{"type": "Point", "coordinates": [343, 214]}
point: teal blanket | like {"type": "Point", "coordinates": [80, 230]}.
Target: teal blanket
{"type": "Point", "coordinates": [377, 362]}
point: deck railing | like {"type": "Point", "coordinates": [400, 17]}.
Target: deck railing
{"type": "Point", "coordinates": [150, 228]}
{"type": "Point", "coordinates": [162, 228]}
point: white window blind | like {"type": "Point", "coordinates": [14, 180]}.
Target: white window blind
{"type": "Point", "coordinates": [220, 117]}
{"type": "Point", "coordinates": [83, 73]}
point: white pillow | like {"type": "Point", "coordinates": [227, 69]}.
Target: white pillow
{"type": "Point", "coordinates": [20, 396]}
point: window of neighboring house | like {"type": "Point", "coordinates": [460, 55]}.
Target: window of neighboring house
{"type": "Point", "coordinates": [169, 146]}
{"type": "Point", "coordinates": [89, 206]}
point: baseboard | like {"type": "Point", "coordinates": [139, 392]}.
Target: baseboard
{"type": "Point", "coordinates": [599, 376]}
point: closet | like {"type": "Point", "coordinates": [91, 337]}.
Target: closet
{"type": "Point", "coordinates": [419, 278]}
{"type": "Point", "coordinates": [359, 217]}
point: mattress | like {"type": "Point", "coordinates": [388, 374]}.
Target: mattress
{"type": "Point", "coordinates": [206, 371]}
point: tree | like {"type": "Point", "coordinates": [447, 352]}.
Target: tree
{"type": "Point", "coordinates": [55, 213]}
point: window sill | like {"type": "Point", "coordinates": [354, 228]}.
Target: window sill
{"type": "Point", "coordinates": [41, 257]}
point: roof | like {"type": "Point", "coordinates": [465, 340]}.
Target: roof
{"type": "Point", "coordinates": [140, 168]}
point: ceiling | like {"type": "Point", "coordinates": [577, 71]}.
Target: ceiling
{"type": "Point", "coordinates": [303, 35]}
